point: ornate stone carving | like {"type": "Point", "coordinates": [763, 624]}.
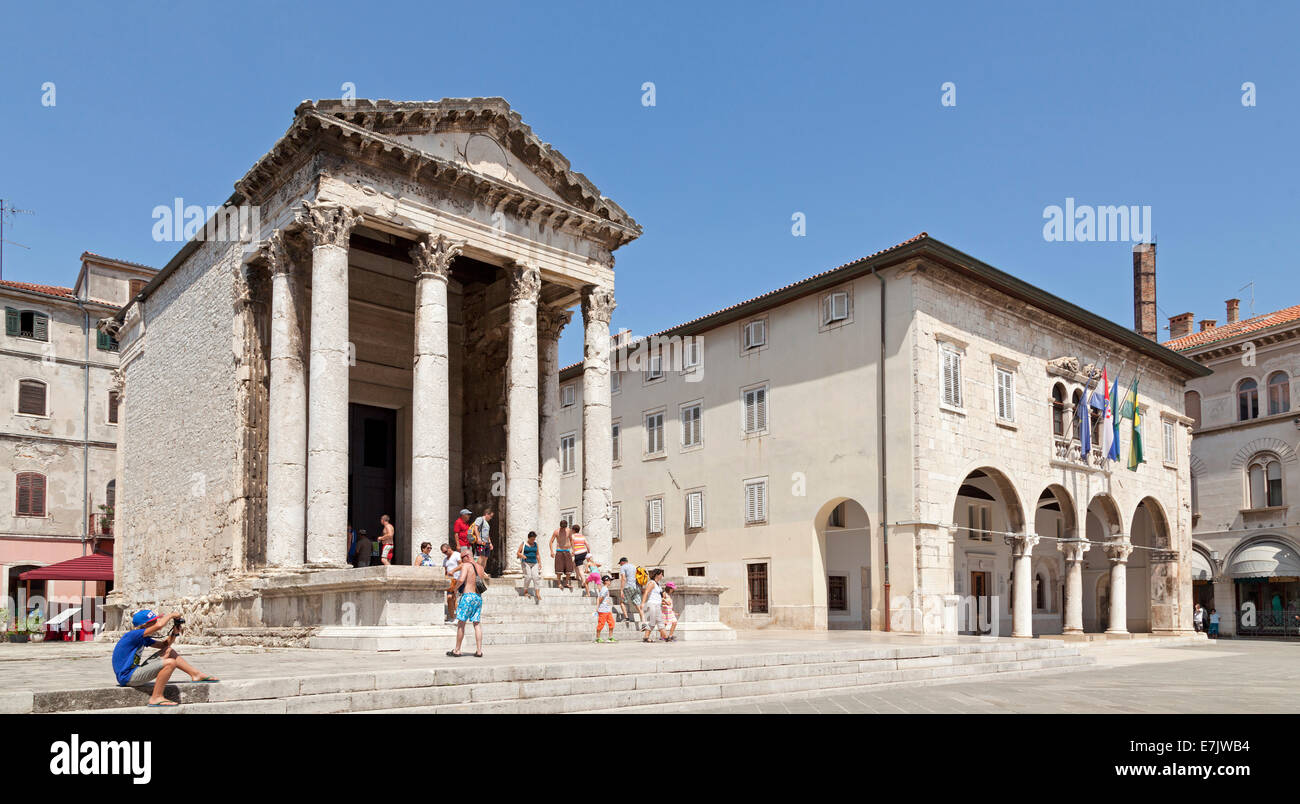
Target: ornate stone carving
{"type": "Point", "coordinates": [1164, 556]}
{"type": "Point", "coordinates": [433, 254]}
{"type": "Point", "coordinates": [117, 383]}
{"type": "Point", "coordinates": [1074, 550]}
{"type": "Point", "coordinates": [279, 255]}
{"type": "Point", "coordinates": [525, 283]}
{"type": "Point", "coordinates": [109, 326]}
{"type": "Point", "coordinates": [597, 303]}
{"type": "Point", "coordinates": [1118, 551]}
{"type": "Point", "coordinates": [327, 224]}
{"type": "Point", "coordinates": [551, 322]}
{"type": "Point", "coordinates": [1022, 544]}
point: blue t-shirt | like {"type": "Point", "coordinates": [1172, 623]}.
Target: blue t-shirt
{"type": "Point", "coordinates": [125, 653]}
{"type": "Point", "coordinates": [530, 553]}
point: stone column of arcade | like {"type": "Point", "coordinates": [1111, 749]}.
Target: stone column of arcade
{"type": "Point", "coordinates": [522, 414]}
{"type": "Point", "coordinates": [430, 400]}
{"type": "Point", "coordinates": [286, 485]}
{"type": "Point", "coordinates": [1118, 552]}
{"type": "Point", "coordinates": [328, 226]}
{"type": "Point", "coordinates": [1074, 549]}
{"type": "Point", "coordinates": [597, 437]}
{"type": "Point", "coordinates": [1022, 605]}
{"type": "Point", "coordinates": [550, 323]}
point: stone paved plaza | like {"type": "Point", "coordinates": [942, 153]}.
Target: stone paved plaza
{"type": "Point", "coordinates": [1231, 676]}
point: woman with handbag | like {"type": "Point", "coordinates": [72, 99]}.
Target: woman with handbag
{"type": "Point", "coordinates": [471, 587]}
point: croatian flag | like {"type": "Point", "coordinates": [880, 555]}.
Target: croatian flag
{"type": "Point", "coordinates": [1109, 443]}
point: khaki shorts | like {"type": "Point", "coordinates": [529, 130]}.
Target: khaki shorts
{"type": "Point", "coordinates": [652, 619]}
{"type": "Point", "coordinates": [147, 671]}
{"type": "Point", "coordinates": [532, 575]}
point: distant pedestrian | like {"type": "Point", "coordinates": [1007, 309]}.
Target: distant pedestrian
{"type": "Point", "coordinates": [604, 608]}
{"type": "Point", "coordinates": [589, 573]}
{"type": "Point", "coordinates": [364, 548]}
{"type": "Point", "coordinates": [461, 529]}
{"type": "Point", "coordinates": [527, 554]}
{"type": "Point", "coordinates": [352, 546]}
{"type": "Point", "coordinates": [386, 540]}
{"type": "Point", "coordinates": [450, 561]}
{"type": "Point", "coordinates": [469, 608]}
{"type": "Point", "coordinates": [651, 606]}
{"type": "Point", "coordinates": [425, 558]}
{"type": "Point", "coordinates": [1198, 618]}
{"type": "Point", "coordinates": [1214, 623]}
{"type": "Point", "coordinates": [480, 536]}
{"type": "Point", "coordinates": [669, 614]}
{"type": "Point", "coordinates": [562, 551]}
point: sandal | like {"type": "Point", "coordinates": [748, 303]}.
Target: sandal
{"type": "Point", "coordinates": [454, 654]}
{"type": "Point", "coordinates": [478, 655]}
{"type": "Point", "coordinates": [164, 704]}
{"type": "Point", "coordinates": [206, 680]}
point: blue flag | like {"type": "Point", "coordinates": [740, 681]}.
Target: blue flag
{"type": "Point", "coordinates": [1112, 422]}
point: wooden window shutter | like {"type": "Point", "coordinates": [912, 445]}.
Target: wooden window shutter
{"type": "Point", "coordinates": [655, 515]}
{"type": "Point", "coordinates": [31, 397]}
{"type": "Point", "coordinates": [31, 494]}
{"type": "Point", "coordinates": [616, 521]}
{"type": "Point", "coordinates": [112, 407]}
{"type": "Point", "coordinates": [695, 510]}
{"type": "Point", "coordinates": [13, 322]}
{"type": "Point", "coordinates": [41, 327]}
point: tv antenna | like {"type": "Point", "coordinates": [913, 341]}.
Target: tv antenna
{"type": "Point", "coordinates": [7, 210]}
{"type": "Point", "coordinates": [1250, 285]}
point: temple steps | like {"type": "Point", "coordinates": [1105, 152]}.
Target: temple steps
{"type": "Point", "coordinates": [623, 682]}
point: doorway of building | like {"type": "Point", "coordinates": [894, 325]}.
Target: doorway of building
{"type": "Point", "coordinates": [372, 471]}
{"type": "Point", "coordinates": [979, 590]}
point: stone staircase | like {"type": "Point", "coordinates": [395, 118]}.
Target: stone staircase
{"type": "Point", "coordinates": [633, 677]}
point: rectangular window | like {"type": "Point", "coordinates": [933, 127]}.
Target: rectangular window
{"type": "Point", "coordinates": [693, 352]}
{"type": "Point", "coordinates": [615, 432]}
{"type": "Point", "coordinates": [654, 516]}
{"type": "Point", "coordinates": [31, 397]}
{"type": "Point", "coordinates": [30, 494]}
{"type": "Point", "coordinates": [568, 453]}
{"type": "Point", "coordinates": [654, 433]}
{"type": "Point", "coordinates": [694, 510]}
{"type": "Point", "coordinates": [1171, 443]}
{"type": "Point", "coordinates": [979, 520]}
{"type": "Point", "coordinates": [112, 407]}
{"type": "Point", "coordinates": [756, 583]}
{"type": "Point", "coordinates": [835, 307]}
{"type": "Point", "coordinates": [616, 521]}
{"type": "Point", "coordinates": [695, 572]}
{"type": "Point", "coordinates": [27, 324]}
{"type": "Point", "coordinates": [105, 342]}
{"type": "Point", "coordinates": [615, 382]}
{"type": "Point", "coordinates": [755, 501]}
{"type": "Point", "coordinates": [656, 368]}
{"type": "Point", "coordinates": [692, 426]}
{"type": "Point", "coordinates": [570, 516]}
{"type": "Point", "coordinates": [568, 395]}
{"type": "Point", "coordinates": [951, 377]}
{"type": "Point", "coordinates": [837, 593]}
{"type": "Point", "coordinates": [134, 289]}
{"type": "Point", "coordinates": [756, 410]}
{"type": "Point", "coordinates": [755, 334]}
{"type": "Point", "coordinates": [1006, 393]}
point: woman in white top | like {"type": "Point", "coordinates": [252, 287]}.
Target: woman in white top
{"type": "Point", "coordinates": [650, 608]}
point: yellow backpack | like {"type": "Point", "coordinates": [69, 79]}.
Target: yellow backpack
{"type": "Point", "coordinates": [642, 577]}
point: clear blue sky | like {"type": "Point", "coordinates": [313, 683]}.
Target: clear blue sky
{"type": "Point", "coordinates": [762, 111]}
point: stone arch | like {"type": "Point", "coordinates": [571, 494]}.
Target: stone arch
{"type": "Point", "coordinates": [1057, 494]}
{"type": "Point", "coordinates": [847, 547]}
{"type": "Point", "coordinates": [1001, 481]}
{"type": "Point", "coordinates": [1159, 521]}
{"type": "Point", "coordinates": [1109, 512]}
{"type": "Point", "coordinates": [1271, 536]}
{"type": "Point", "coordinates": [1197, 466]}
{"type": "Point", "coordinates": [1277, 446]}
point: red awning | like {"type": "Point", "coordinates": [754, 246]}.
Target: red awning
{"type": "Point", "coordinates": [94, 567]}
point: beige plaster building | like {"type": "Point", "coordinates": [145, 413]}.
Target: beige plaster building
{"type": "Point", "coordinates": [1245, 476]}
{"type": "Point", "coordinates": [384, 343]}
{"type": "Point", "coordinates": [892, 443]}
{"type": "Point", "coordinates": [59, 425]}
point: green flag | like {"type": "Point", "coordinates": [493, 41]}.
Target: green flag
{"type": "Point", "coordinates": [1128, 407]}
{"type": "Point", "coordinates": [1135, 445]}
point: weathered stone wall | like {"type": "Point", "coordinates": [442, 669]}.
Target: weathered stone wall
{"type": "Point", "coordinates": [182, 533]}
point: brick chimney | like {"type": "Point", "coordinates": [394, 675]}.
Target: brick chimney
{"type": "Point", "coordinates": [1234, 310]}
{"type": "Point", "coordinates": [1144, 290]}
{"type": "Point", "coordinates": [1208, 323]}
{"type": "Point", "coordinates": [1180, 325]}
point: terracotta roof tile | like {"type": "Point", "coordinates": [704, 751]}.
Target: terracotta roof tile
{"type": "Point", "coordinates": [1229, 331]}
{"type": "Point", "coordinates": [52, 290]}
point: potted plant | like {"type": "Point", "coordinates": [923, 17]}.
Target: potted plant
{"type": "Point", "coordinates": [4, 625]}
{"type": "Point", "coordinates": [36, 626]}
{"type": "Point", "coordinates": [106, 520]}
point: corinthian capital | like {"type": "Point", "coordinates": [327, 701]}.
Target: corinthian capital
{"type": "Point", "coordinates": [433, 255]}
{"type": "Point", "coordinates": [275, 254]}
{"type": "Point", "coordinates": [1073, 549]}
{"type": "Point", "coordinates": [1022, 544]}
{"type": "Point", "coordinates": [551, 321]}
{"type": "Point", "coordinates": [327, 224]}
{"type": "Point", "coordinates": [525, 283]}
{"type": "Point", "coordinates": [597, 303]}
{"type": "Point", "coordinates": [1119, 550]}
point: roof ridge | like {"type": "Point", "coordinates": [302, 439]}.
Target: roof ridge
{"type": "Point", "coordinates": [1228, 331]}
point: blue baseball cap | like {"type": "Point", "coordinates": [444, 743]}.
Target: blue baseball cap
{"type": "Point", "coordinates": [143, 617]}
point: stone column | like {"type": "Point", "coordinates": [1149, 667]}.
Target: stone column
{"type": "Point", "coordinates": [430, 400]}
{"type": "Point", "coordinates": [328, 226]}
{"type": "Point", "coordinates": [1118, 553]}
{"type": "Point", "coordinates": [597, 424]}
{"type": "Point", "coordinates": [521, 412]}
{"type": "Point", "coordinates": [286, 483]}
{"type": "Point", "coordinates": [1022, 602]}
{"type": "Point", "coordinates": [550, 322]}
{"type": "Point", "coordinates": [118, 384]}
{"type": "Point", "coordinates": [1074, 550]}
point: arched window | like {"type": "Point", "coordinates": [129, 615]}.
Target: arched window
{"type": "Point", "coordinates": [1076, 414]}
{"type": "Point", "coordinates": [110, 494]}
{"type": "Point", "coordinates": [1265, 474]}
{"type": "Point", "coordinates": [31, 397]}
{"type": "Point", "coordinates": [1192, 407]}
{"type": "Point", "coordinates": [30, 494]}
{"type": "Point", "coordinates": [1040, 593]}
{"type": "Point", "coordinates": [1247, 400]}
{"type": "Point", "coordinates": [1058, 409]}
{"type": "Point", "coordinates": [1279, 393]}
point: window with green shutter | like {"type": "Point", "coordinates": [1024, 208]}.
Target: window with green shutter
{"type": "Point", "coordinates": [11, 321]}
{"type": "Point", "coordinates": [106, 342]}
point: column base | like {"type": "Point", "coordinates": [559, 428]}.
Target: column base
{"type": "Point", "coordinates": [327, 565]}
{"type": "Point", "coordinates": [1072, 631]}
{"type": "Point", "coordinates": [1124, 634]}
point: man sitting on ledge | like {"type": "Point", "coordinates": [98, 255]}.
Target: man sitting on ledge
{"type": "Point", "coordinates": [133, 669]}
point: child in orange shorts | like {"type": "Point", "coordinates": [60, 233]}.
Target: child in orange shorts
{"type": "Point", "coordinates": [604, 608]}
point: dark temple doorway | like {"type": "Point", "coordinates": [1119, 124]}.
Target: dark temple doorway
{"type": "Point", "coordinates": [372, 472]}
